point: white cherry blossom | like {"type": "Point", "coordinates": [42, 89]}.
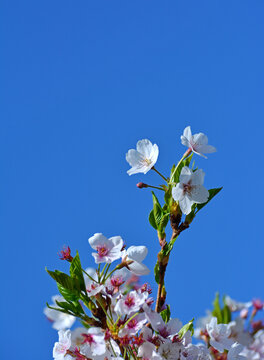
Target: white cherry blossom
{"type": "Point", "coordinates": [198, 143]}
{"type": "Point", "coordinates": [130, 303]}
{"type": "Point", "coordinates": [108, 250]}
{"type": "Point", "coordinates": [137, 254]}
{"type": "Point", "coordinates": [219, 335]}
{"type": "Point", "coordinates": [190, 189]}
{"type": "Point", "coordinates": [143, 158]}
{"type": "Point", "coordinates": [233, 353]}
{"type": "Point", "coordinates": [60, 321]}
{"type": "Point", "coordinates": [61, 347]}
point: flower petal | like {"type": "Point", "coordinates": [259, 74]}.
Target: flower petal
{"type": "Point", "coordinates": [145, 148]}
{"type": "Point", "coordinates": [185, 175]}
{"type": "Point", "coordinates": [177, 192]}
{"type": "Point", "coordinates": [137, 253]}
{"type": "Point", "coordinates": [199, 194]}
{"type": "Point", "coordinates": [198, 177]}
{"type": "Point", "coordinates": [186, 205]}
{"type": "Point", "coordinates": [134, 158]}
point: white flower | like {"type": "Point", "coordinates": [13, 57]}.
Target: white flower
{"type": "Point", "coordinates": [198, 143]}
{"type": "Point", "coordinates": [233, 353]}
{"type": "Point", "coordinates": [108, 250]}
{"type": "Point", "coordinates": [219, 335]}
{"type": "Point", "coordinates": [130, 303]}
{"type": "Point", "coordinates": [172, 327]}
{"type": "Point", "coordinates": [137, 254]}
{"type": "Point", "coordinates": [190, 189]}
{"type": "Point", "coordinates": [142, 159]}
{"type": "Point", "coordinates": [133, 326]}
{"type": "Point", "coordinates": [61, 347]}
{"type": "Point", "coordinates": [60, 321]}
{"type": "Point", "coordinates": [94, 341]}
{"type": "Point", "coordinates": [148, 351]}
{"type": "Point", "coordinates": [235, 305]}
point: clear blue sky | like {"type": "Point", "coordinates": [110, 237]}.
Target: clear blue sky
{"type": "Point", "coordinates": [81, 82]}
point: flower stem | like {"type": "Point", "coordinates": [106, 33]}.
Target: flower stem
{"type": "Point", "coordinates": [163, 177]}
{"type": "Point", "coordinates": [185, 155]}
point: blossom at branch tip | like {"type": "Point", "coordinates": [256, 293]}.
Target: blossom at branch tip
{"type": "Point", "coordinates": [198, 143]}
{"type": "Point", "coordinates": [60, 321]}
{"type": "Point", "coordinates": [62, 346]}
{"type": "Point", "coordinates": [108, 250]}
{"type": "Point", "coordinates": [137, 254]}
{"type": "Point", "coordinates": [190, 189]}
{"type": "Point", "coordinates": [143, 158]}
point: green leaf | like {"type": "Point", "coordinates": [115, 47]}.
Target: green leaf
{"type": "Point", "coordinates": [64, 280]}
{"type": "Point", "coordinates": [165, 314]}
{"type": "Point", "coordinates": [212, 193]}
{"type": "Point", "coordinates": [175, 174]}
{"type": "Point", "coordinates": [185, 328]}
{"type": "Point", "coordinates": [152, 220]}
{"type": "Point", "coordinates": [217, 309]}
{"type": "Point", "coordinates": [70, 295]}
{"type": "Point", "coordinates": [157, 272]}
{"type": "Point", "coordinates": [76, 271]}
{"type": "Point", "coordinates": [157, 209]}
{"type": "Point", "coordinates": [226, 313]}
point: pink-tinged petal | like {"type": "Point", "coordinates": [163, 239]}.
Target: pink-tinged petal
{"type": "Point", "coordinates": [185, 175]}
{"type": "Point", "coordinates": [198, 177]}
{"type": "Point", "coordinates": [178, 192]}
{"type": "Point", "coordinates": [199, 194]}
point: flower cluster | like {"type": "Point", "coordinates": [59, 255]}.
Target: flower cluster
{"type": "Point", "coordinates": [119, 319]}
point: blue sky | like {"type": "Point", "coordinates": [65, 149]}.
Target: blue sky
{"type": "Point", "coordinates": [81, 82]}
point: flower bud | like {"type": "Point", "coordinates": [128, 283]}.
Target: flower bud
{"type": "Point", "coordinates": [141, 185]}
{"type": "Point", "coordinates": [65, 254]}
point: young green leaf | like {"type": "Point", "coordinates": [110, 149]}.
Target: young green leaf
{"type": "Point", "coordinates": [166, 314]}
{"type": "Point", "coordinates": [217, 309]}
{"type": "Point", "coordinates": [76, 271]}
{"type": "Point", "coordinates": [185, 328]}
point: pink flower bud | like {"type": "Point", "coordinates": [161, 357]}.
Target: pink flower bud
{"type": "Point", "coordinates": [141, 185]}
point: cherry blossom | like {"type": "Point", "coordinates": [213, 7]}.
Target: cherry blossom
{"type": "Point", "coordinates": [233, 353]}
{"type": "Point", "coordinates": [198, 143]}
{"type": "Point", "coordinates": [108, 250]}
{"type": "Point", "coordinates": [219, 335]}
{"type": "Point", "coordinates": [61, 347]}
{"type": "Point", "coordinates": [137, 254]}
{"type": "Point", "coordinates": [130, 302]}
{"type": "Point", "coordinates": [60, 321]}
{"type": "Point", "coordinates": [190, 189]}
{"type": "Point", "coordinates": [143, 158]}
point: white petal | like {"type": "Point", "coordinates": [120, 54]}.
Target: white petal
{"type": "Point", "coordinates": [199, 139]}
{"type": "Point", "coordinates": [185, 175]}
{"type": "Point", "coordinates": [199, 194]}
{"type": "Point", "coordinates": [139, 268]}
{"type": "Point", "coordinates": [207, 149]}
{"type": "Point", "coordinates": [187, 133]}
{"type": "Point", "coordinates": [145, 148]}
{"type": "Point", "coordinates": [154, 155]}
{"type": "Point", "coordinates": [137, 253]}
{"type": "Point", "coordinates": [198, 177]}
{"type": "Point", "coordinates": [134, 158]}
{"type": "Point", "coordinates": [177, 192]}
{"type": "Point", "coordinates": [186, 205]}
{"type": "Point", "coordinates": [97, 240]}
{"type": "Point", "coordinates": [136, 170]}
{"type": "Point", "coordinates": [117, 241]}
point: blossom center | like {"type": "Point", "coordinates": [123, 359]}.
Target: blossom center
{"type": "Point", "coordinates": [129, 301]}
{"type": "Point", "coordinates": [102, 250]}
{"type": "Point", "coordinates": [88, 338]}
{"type": "Point", "coordinates": [187, 188]}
